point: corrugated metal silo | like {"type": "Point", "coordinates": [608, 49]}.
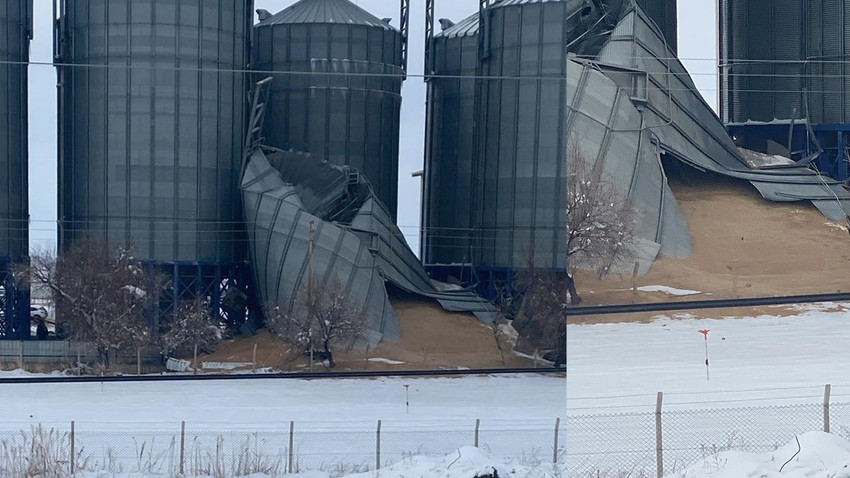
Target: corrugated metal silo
{"type": "Point", "coordinates": [152, 118]}
{"type": "Point", "coordinates": [451, 145]}
{"type": "Point", "coordinates": [663, 13]}
{"type": "Point", "coordinates": [520, 174]}
{"type": "Point", "coordinates": [16, 20]}
{"type": "Point", "coordinates": [342, 101]}
{"type": "Point", "coordinates": [762, 48]}
{"type": "Point", "coordinates": [827, 30]}
{"type": "Point", "coordinates": [16, 24]}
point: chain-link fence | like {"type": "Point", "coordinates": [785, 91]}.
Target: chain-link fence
{"type": "Point", "coordinates": [654, 444]}
{"type": "Point", "coordinates": [337, 448]}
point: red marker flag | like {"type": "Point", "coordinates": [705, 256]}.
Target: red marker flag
{"type": "Point", "coordinates": [704, 333]}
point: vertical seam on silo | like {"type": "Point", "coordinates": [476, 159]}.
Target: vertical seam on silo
{"type": "Point", "coordinates": [128, 166]}
{"type": "Point", "coordinates": [176, 97]}
{"type": "Point", "coordinates": [536, 166]}
{"type": "Point", "coordinates": [561, 161]}
{"type": "Point", "coordinates": [513, 230]}
{"type": "Point", "coordinates": [217, 225]}
{"type": "Point", "coordinates": [348, 92]}
{"type": "Point", "coordinates": [198, 161]}
{"type": "Point", "coordinates": [105, 93]}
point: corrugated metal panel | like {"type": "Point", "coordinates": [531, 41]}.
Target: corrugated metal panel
{"type": "Point", "coordinates": [519, 177]}
{"type": "Point", "coordinates": [451, 147]}
{"type": "Point", "coordinates": [354, 243]}
{"type": "Point", "coordinates": [663, 14]}
{"type": "Point", "coordinates": [328, 12]}
{"type": "Point", "coordinates": [686, 127]}
{"type": "Point", "coordinates": [608, 130]}
{"type": "Point", "coordinates": [15, 18]}
{"type": "Point", "coordinates": [152, 135]}
{"type": "Point", "coordinates": [762, 50]}
{"type": "Point", "coordinates": [343, 100]}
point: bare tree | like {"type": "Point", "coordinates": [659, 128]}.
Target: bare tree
{"type": "Point", "coordinates": [600, 220]}
{"type": "Point", "coordinates": [538, 308]}
{"type": "Point", "coordinates": [193, 326]}
{"type": "Point", "coordinates": [99, 293]}
{"type": "Point", "coordinates": [325, 318]}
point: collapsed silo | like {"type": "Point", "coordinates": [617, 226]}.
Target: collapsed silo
{"type": "Point", "coordinates": [450, 144]}
{"type": "Point", "coordinates": [337, 95]}
{"type": "Point", "coordinates": [16, 20]}
{"type": "Point", "coordinates": [762, 46]}
{"type": "Point", "coordinates": [152, 109]}
{"type": "Point", "coordinates": [663, 13]}
{"type": "Point", "coordinates": [519, 176]}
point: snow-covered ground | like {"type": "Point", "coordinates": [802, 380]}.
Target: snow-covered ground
{"type": "Point", "coordinates": [817, 455]}
{"type": "Point", "coordinates": [335, 423]}
{"type": "Point", "coordinates": [765, 384]}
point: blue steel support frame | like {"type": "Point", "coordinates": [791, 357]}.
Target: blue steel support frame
{"type": "Point", "coordinates": [213, 282]}
{"type": "Point", "coordinates": [14, 305]}
{"type": "Point", "coordinates": [834, 139]}
{"type": "Point", "coordinates": [488, 282]}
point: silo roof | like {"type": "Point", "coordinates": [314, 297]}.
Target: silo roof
{"type": "Point", "coordinates": [467, 27]}
{"type": "Point", "coordinates": [326, 11]}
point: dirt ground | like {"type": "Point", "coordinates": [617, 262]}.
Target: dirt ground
{"type": "Point", "coordinates": [431, 339]}
{"type": "Point", "coordinates": [743, 246]}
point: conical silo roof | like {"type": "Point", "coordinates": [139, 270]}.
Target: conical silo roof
{"type": "Point", "coordinates": [326, 11]}
{"type": "Point", "coordinates": [469, 26]}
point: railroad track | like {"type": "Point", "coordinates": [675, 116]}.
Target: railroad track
{"type": "Point", "coordinates": [707, 304]}
{"type": "Point", "coordinates": [276, 376]}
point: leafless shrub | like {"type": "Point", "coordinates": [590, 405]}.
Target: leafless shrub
{"type": "Point", "coordinates": [600, 220]}
{"type": "Point", "coordinates": [193, 326]}
{"type": "Point", "coordinates": [322, 319]}
{"type": "Point", "coordinates": [100, 293]}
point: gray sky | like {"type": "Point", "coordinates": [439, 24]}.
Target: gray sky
{"type": "Point", "coordinates": [697, 47]}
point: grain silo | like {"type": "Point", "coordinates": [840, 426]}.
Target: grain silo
{"type": "Point", "coordinates": [783, 61]}
{"type": "Point", "coordinates": [16, 21]}
{"type": "Point", "coordinates": [761, 55]}
{"type": "Point", "coordinates": [340, 98]}
{"type": "Point", "coordinates": [451, 144]}
{"type": "Point", "coordinates": [520, 172]}
{"type": "Point", "coordinates": [152, 118]}
{"type": "Point", "coordinates": [663, 13]}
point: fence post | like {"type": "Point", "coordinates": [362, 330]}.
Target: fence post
{"type": "Point", "coordinates": [73, 445]}
{"type": "Point", "coordinates": [659, 449]}
{"type": "Point", "coordinates": [378, 449]}
{"type": "Point", "coordinates": [21, 355]}
{"type": "Point", "coordinates": [254, 360]}
{"type": "Point", "coordinates": [827, 390]}
{"type": "Point", "coordinates": [555, 452]}
{"type": "Point", "coordinates": [477, 426]}
{"type": "Point", "coordinates": [182, 445]}
{"type": "Point", "coordinates": [291, 443]}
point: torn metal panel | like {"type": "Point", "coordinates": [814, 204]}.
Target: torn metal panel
{"type": "Point", "coordinates": [606, 128]}
{"type": "Point", "coordinates": [689, 130]}
{"type": "Point", "coordinates": [354, 239]}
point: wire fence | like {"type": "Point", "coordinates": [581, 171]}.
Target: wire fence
{"type": "Point", "coordinates": [337, 449]}
{"type": "Point", "coordinates": [656, 444]}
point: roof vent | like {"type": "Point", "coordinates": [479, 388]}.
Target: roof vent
{"type": "Point", "coordinates": [445, 23]}
{"type": "Point", "coordinates": [263, 14]}
{"type": "Point", "coordinates": [387, 20]}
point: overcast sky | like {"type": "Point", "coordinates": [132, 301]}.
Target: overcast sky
{"type": "Point", "coordinates": [698, 48]}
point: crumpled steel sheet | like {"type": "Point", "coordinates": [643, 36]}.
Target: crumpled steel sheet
{"type": "Point", "coordinates": [685, 126]}
{"type": "Point", "coordinates": [354, 242]}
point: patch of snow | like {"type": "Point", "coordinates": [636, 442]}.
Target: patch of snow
{"type": "Point", "coordinates": [836, 226]}
{"type": "Point", "coordinates": [385, 360]}
{"type": "Point", "coordinates": [821, 455]}
{"type": "Point", "coordinates": [668, 290]}
{"type": "Point", "coordinates": [224, 365]}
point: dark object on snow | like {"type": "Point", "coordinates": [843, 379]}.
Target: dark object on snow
{"type": "Point", "coordinates": [495, 474]}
